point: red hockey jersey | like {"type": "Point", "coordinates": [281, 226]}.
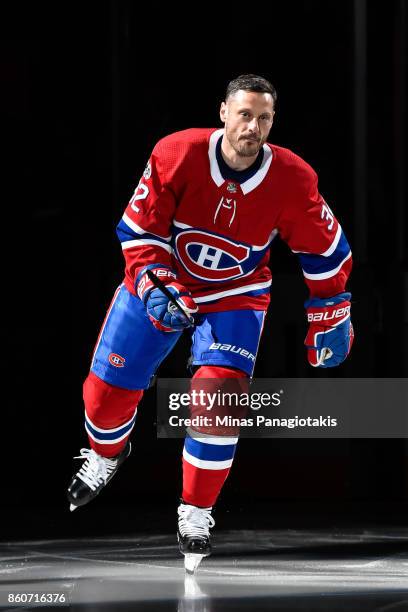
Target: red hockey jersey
{"type": "Point", "coordinates": [216, 233]}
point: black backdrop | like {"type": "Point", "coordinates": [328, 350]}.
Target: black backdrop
{"type": "Point", "coordinates": [88, 91]}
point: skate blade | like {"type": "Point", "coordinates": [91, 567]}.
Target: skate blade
{"type": "Point", "coordinates": [191, 562]}
{"type": "Point", "coordinates": [72, 507]}
{"type": "Point", "coordinates": [192, 590]}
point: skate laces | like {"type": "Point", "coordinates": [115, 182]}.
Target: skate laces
{"type": "Point", "coordinates": [195, 522]}
{"type": "Point", "coordinates": [96, 469]}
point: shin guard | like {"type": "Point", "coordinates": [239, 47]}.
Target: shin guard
{"type": "Point", "coordinates": [208, 454]}
{"type": "Point", "coordinates": [110, 414]}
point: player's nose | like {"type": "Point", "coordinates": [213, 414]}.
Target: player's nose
{"type": "Point", "coordinates": [253, 125]}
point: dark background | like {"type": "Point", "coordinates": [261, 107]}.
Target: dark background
{"type": "Point", "coordinates": [88, 90]}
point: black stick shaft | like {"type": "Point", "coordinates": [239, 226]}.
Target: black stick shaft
{"type": "Point", "coordinates": [159, 285]}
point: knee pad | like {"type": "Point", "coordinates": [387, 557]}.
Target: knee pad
{"type": "Point", "coordinates": [220, 384]}
{"type": "Point", "coordinates": [108, 406]}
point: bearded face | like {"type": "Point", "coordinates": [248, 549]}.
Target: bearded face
{"type": "Point", "coordinates": [248, 118]}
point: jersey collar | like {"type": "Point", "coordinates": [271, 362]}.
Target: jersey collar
{"type": "Point", "coordinates": [252, 182]}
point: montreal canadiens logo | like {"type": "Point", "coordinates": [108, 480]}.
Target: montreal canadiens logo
{"type": "Point", "coordinates": [116, 360]}
{"type": "Point", "coordinates": [210, 257]}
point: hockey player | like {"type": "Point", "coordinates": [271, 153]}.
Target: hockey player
{"type": "Point", "coordinates": [202, 219]}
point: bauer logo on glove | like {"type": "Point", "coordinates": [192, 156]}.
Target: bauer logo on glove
{"type": "Point", "coordinates": [330, 334]}
{"type": "Point", "coordinates": [145, 285]}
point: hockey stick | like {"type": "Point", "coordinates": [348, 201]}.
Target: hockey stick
{"type": "Point", "coordinates": [159, 285]}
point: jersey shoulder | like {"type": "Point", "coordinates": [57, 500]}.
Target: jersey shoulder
{"type": "Point", "coordinates": [184, 140]}
{"type": "Point", "coordinates": [176, 153]}
{"type": "Point", "coordinates": [292, 165]}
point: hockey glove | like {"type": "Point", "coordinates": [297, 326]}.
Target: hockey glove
{"type": "Point", "coordinates": [161, 311]}
{"type": "Point", "coordinates": [330, 334]}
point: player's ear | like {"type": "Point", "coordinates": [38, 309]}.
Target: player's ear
{"type": "Point", "coordinates": [223, 112]}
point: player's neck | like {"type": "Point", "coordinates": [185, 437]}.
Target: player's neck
{"type": "Point", "coordinates": [232, 159]}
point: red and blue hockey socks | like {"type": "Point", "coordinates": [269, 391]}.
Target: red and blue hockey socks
{"type": "Point", "coordinates": [110, 414]}
{"type": "Point", "coordinates": [207, 457]}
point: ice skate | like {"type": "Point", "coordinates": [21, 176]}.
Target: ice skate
{"type": "Point", "coordinates": [94, 474]}
{"type": "Point", "coordinates": [194, 534]}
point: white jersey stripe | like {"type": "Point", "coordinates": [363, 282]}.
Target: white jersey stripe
{"type": "Point", "coordinates": [236, 291]}
{"type": "Point", "coordinates": [259, 176]}
{"type": "Point", "coordinates": [329, 273]}
{"type": "Point", "coordinates": [128, 244]}
{"type": "Point", "coordinates": [214, 169]}
{"type": "Point", "coordinates": [334, 244]}
{"type": "Point", "coordinates": [328, 251]}
{"type": "Point", "coordinates": [139, 230]}
{"type": "Point", "coordinates": [181, 225]}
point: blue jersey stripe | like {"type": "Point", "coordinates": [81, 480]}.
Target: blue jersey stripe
{"type": "Point", "coordinates": [125, 233]}
{"type": "Point", "coordinates": [316, 264]}
{"type": "Point", "coordinates": [209, 452]}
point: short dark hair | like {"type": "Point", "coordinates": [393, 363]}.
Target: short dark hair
{"type": "Point", "coordinates": [251, 82]}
